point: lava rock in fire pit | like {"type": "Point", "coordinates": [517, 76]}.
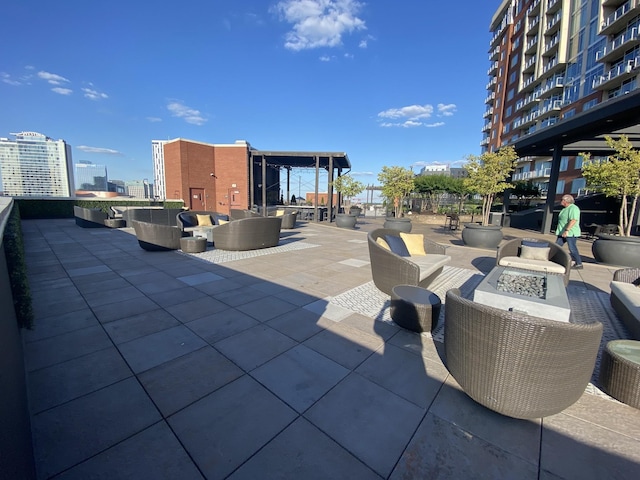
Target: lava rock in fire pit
{"type": "Point", "coordinates": [528, 285]}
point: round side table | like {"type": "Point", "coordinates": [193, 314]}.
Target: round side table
{"type": "Point", "coordinates": [193, 244]}
{"type": "Point", "coordinates": [415, 308]}
{"type": "Point", "coordinates": [114, 222]}
{"type": "Point", "coordinates": [620, 371]}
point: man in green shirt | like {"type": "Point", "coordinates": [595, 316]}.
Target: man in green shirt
{"type": "Point", "coordinates": [568, 229]}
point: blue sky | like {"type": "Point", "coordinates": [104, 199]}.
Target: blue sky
{"type": "Point", "coordinates": [388, 82]}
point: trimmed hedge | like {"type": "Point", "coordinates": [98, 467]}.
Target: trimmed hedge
{"type": "Point", "coordinates": [63, 208]}
{"type": "Point", "coordinates": [14, 253]}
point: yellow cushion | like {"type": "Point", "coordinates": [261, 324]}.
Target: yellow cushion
{"type": "Point", "coordinates": [222, 222]}
{"type": "Point", "coordinates": [279, 212]}
{"type": "Point", "coordinates": [204, 220]}
{"type": "Point", "coordinates": [383, 243]}
{"type": "Point", "coordinates": [414, 243]}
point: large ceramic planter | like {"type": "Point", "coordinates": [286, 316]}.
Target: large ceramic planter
{"type": "Point", "coordinates": [344, 220]}
{"type": "Point", "coordinates": [482, 236]}
{"type": "Point", "coordinates": [400, 224]}
{"type": "Point", "coordinates": [356, 211]}
{"type": "Point", "coordinates": [617, 250]}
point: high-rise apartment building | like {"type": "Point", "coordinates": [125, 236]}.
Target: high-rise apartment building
{"type": "Point", "coordinates": [90, 176]}
{"type": "Point", "coordinates": [34, 165]}
{"type": "Point", "coordinates": [550, 60]}
{"type": "Point", "coordinates": [157, 150]}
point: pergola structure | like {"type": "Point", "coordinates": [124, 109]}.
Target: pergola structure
{"type": "Point", "coordinates": [584, 132]}
{"type": "Point", "coordinates": [261, 160]}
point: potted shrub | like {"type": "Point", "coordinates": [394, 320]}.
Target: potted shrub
{"type": "Point", "coordinates": [617, 176]}
{"type": "Point", "coordinates": [397, 183]}
{"type": "Point", "coordinates": [487, 176]}
{"type": "Point", "coordinates": [348, 188]}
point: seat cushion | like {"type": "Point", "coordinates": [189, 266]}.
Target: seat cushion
{"type": "Point", "coordinates": [535, 265]}
{"type": "Point", "coordinates": [204, 220]}
{"type": "Point", "coordinates": [534, 253]}
{"type": "Point", "coordinates": [628, 294]}
{"type": "Point", "coordinates": [414, 243]}
{"type": "Point", "coordinates": [383, 243]}
{"type": "Point", "coordinates": [397, 245]}
{"type": "Point", "coordinates": [430, 263]}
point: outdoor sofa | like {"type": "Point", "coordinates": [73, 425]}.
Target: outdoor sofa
{"type": "Point", "coordinates": [391, 265]}
{"type": "Point", "coordinates": [155, 237]}
{"type": "Point", "coordinates": [237, 214]}
{"type": "Point", "coordinates": [532, 254]}
{"type": "Point", "coordinates": [160, 216]}
{"type": "Point", "coordinates": [516, 364]}
{"type": "Point", "coordinates": [190, 220]}
{"type": "Point", "coordinates": [625, 298]}
{"type": "Point", "coordinates": [89, 217]}
{"type": "Point", "coordinates": [248, 234]}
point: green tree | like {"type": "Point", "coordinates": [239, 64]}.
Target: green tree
{"type": "Point", "coordinates": [397, 183]}
{"type": "Point", "coordinates": [525, 191]}
{"type": "Point", "coordinates": [616, 176]}
{"type": "Point", "coordinates": [488, 174]}
{"type": "Point", "coordinates": [348, 187]}
{"type": "Point", "coordinates": [433, 188]}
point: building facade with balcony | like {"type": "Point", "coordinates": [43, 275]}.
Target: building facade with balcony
{"type": "Point", "coordinates": [157, 153]}
{"type": "Point", "coordinates": [553, 59]}
{"type": "Point", "coordinates": [34, 165]}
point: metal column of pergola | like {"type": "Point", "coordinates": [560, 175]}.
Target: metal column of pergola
{"type": "Point", "coordinates": [584, 132]}
{"type": "Point", "coordinates": [332, 162]}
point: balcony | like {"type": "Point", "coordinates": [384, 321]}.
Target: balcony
{"type": "Point", "coordinates": [494, 54]}
{"type": "Point", "coordinates": [536, 174]}
{"type": "Point", "coordinates": [552, 86]}
{"type": "Point", "coordinates": [616, 21]}
{"type": "Point", "coordinates": [488, 112]}
{"type": "Point", "coordinates": [553, 5]}
{"type": "Point", "coordinates": [617, 75]}
{"type": "Point", "coordinates": [492, 69]}
{"type": "Point", "coordinates": [553, 23]}
{"type": "Point", "coordinates": [532, 43]}
{"type": "Point", "coordinates": [533, 23]}
{"type": "Point", "coordinates": [553, 67]}
{"type": "Point", "coordinates": [487, 127]}
{"type": "Point", "coordinates": [484, 142]}
{"type": "Point", "coordinates": [529, 66]}
{"type": "Point", "coordinates": [490, 98]}
{"type": "Point", "coordinates": [492, 82]}
{"type": "Point", "coordinates": [551, 46]}
{"type": "Point", "coordinates": [533, 9]}
{"type": "Point", "coordinates": [619, 44]}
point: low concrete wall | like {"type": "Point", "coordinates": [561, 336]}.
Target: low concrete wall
{"type": "Point", "coordinates": [16, 457]}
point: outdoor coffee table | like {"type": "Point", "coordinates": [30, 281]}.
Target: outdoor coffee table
{"type": "Point", "coordinates": [554, 306]}
{"type": "Point", "coordinates": [414, 308]}
{"type": "Point", "coordinates": [620, 371]}
{"type": "Point", "coordinates": [193, 244]}
{"type": "Point", "coordinates": [204, 232]}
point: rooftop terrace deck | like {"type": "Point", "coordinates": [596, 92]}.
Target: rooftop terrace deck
{"type": "Point", "coordinates": [160, 365]}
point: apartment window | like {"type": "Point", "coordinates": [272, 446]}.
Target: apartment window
{"type": "Point", "coordinates": [508, 112]}
{"type": "Point", "coordinates": [578, 162]}
{"type": "Point", "coordinates": [514, 60]}
{"type": "Point", "coordinates": [569, 113]}
{"type": "Point", "coordinates": [578, 184]}
{"type": "Point", "coordinates": [589, 104]}
{"type": "Point", "coordinates": [516, 43]}
{"type": "Point", "coordinates": [513, 77]}
{"type": "Point", "coordinates": [564, 164]}
{"type": "Point", "coordinates": [510, 94]}
{"type": "Point", "coordinates": [505, 128]}
{"type": "Point", "coordinates": [560, 186]}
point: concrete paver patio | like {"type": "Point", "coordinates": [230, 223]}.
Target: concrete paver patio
{"type": "Point", "coordinates": [159, 365]}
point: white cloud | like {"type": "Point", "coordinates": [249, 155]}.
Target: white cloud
{"type": "Point", "coordinates": [414, 115]}
{"type": "Point", "coordinates": [52, 78]}
{"type": "Point", "coordinates": [154, 119]}
{"type": "Point", "coordinates": [362, 44]}
{"type": "Point", "coordinates": [189, 115]}
{"type": "Point", "coordinates": [62, 91]}
{"type": "Point", "coordinates": [319, 23]}
{"type": "Point", "coordinates": [446, 110]}
{"type": "Point", "coordinates": [106, 151]}
{"type": "Point", "coordinates": [94, 94]}
{"type": "Point", "coordinates": [325, 58]}
{"type": "Point", "coordinates": [6, 78]}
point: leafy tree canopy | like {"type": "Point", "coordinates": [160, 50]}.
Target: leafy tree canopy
{"type": "Point", "coordinates": [397, 183]}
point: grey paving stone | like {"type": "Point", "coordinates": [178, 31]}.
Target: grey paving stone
{"type": "Point", "coordinates": [59, 324]}
{"type": "Point", "coordinates": [136, 326]}
{"type": "Point", "coordinates": [70, 433]}
{"type": "Point", "coordinates": [96, 299]}
{"type": "Point", "coordinates": [369, 421]}
{"type": "Point", "coordinates": [302, 451]}
{"type": "Point", "coordinates": [239, 296]}
{"type": "Point", "coordinates": [180, 382]}
{"type": "Point", "coordinates": [156, 348]}
{"type": "Point", "coordinates": [410, 376]}
{"type": "Point", "coordinates": [52, 350]}
{"type": "Point", "coordinates": [198, 308]}
{"type": "Point", "coordinates": [266, 308]}
{"type": "Point", "coordinates": [154, 453]}
{"type": "Point", "coordinates": [298, 324]}
{"type": "Point", "coordinates": [300, 376]}
{"type": "Point", "coordinates": [254, 346]}
{"type": "Point", "coordinates": [177, 296]}
{"type": "Point", "coordinates": [65, 381]}
{"type": "Point", "coordinates": [221, 325]}
{"type": "Point", "coordinates": [224, 429]}
{"type": "Point", "coordinates": [125, 308]}
{"type": "Point", "coordinates": [444, 450]}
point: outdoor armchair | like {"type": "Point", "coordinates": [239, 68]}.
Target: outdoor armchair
{"type": "Point", "coordinates": [516, 364]}
{"type": "Point", "coordinates": [557, 255]}
{"type": "Point", "coordinates": [155, 237]}
{"type": "Point", "coordinates": [248, 234]}
{"type": "Point", "coordinates": [89, 217]}
{"type": "Point", "coordinates": [625, 298]}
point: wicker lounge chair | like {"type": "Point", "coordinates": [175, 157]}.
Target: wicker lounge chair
{"type": "Point", "coordinates": [389, 269]}
{"type": "Point", "coordinates": [625, 298]}
{"type": "Point", "coordinates": [236, 214]}
{"type": "Point", "coordinates": [157, 238]}
{"type": "Point", "coordinates": [557, 255]}
{"type": "Point", "coordinates": [89, 217]}
{"type": "Point", "coordinates": [289, 220]}
{"type": "Point", "coordinates": [248, 234]}
{"type": "Point", "coordinates": [187, 220]}
{"type": "Point", "coordinates": [161, 216]}
{"type": "Point", "coordinates": [515, 364]}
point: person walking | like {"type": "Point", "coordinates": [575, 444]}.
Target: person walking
{"type": "Point", "coordinates": [568, 229]}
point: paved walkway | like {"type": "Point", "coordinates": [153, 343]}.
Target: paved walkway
{"type": "Point", "coordinates": [158, 365]}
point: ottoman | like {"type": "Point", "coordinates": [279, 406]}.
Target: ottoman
{"type": "Point", "coordinates": [193, 244]}
{"type": "Point", "coordinates": [415, 308]}
{"type": "Point", "coordinates": [620, 371]}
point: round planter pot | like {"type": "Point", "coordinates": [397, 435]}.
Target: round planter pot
{"type": "Point", "coordinates": [400, 224]}
{"type": "Point", "coordinates": [482, 236]}
{"type": "Point", "coordinates": [617, 250]}
{"type": "Point", "coordinates": [344, 220]}
{"type": "Point", "coordinates": [355, 211]}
